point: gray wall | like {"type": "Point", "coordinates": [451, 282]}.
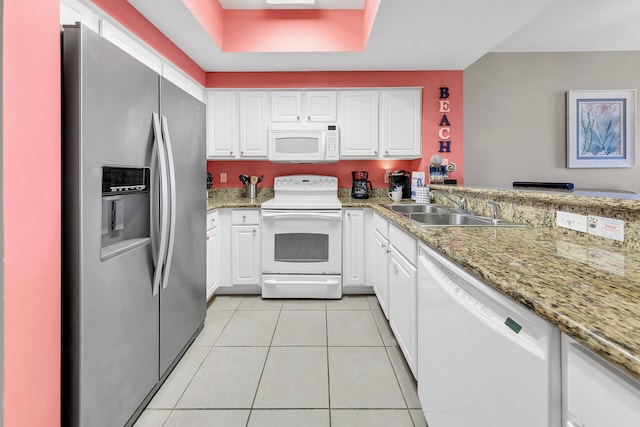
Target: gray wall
{"type": "Point", "coordinates": [514, 116]}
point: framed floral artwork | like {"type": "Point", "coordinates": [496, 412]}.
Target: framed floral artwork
{"type": "Point", "coordinates": [601, 128]}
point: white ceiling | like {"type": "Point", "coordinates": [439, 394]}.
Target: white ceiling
{"type": "Point", "coordinates": [424, 34]}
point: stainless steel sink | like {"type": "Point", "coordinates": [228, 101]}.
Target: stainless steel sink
{"type": "Point", "coordinates": [418, 208]}
{"type": "Point", "coordinates": [427, 215]}
{"type": "Point", "coordinates": [442, 219]}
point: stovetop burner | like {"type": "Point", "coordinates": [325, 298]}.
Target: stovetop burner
{"type": "Point", "coordinates": [304, 192]}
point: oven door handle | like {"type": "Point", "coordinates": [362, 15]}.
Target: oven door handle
{"type": "Point", "coordinates": [333, 216]}
{"type": "Point", "coordinates": [301, 282]}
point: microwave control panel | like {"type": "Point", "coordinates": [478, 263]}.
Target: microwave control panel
{"type": "Point", "coordinates": [332, 148]}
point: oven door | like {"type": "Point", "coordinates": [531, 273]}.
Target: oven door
{"type": "Point", "coordinates": [301, 242]}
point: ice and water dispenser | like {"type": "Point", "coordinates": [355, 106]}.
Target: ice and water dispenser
{"type": "Point", "coordinates": [125, 209]}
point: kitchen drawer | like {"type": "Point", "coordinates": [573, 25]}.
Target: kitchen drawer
{"type": "Point", "coordinates": [245, 216]}
{"type": "Point", "coordinates": [381, 224]}
{"type": "Point", "coordinates": [212, 220]}
{"type": "Point", "coordinates": [404, 242]}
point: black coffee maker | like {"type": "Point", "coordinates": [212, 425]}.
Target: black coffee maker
{"type": "Point", "coordinates": [361, 186]}
{"type": "Point", "coordinates": [400, 178]}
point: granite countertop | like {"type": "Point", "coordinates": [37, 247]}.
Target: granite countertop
{"type": "Point", "coordinates": [589, 290]}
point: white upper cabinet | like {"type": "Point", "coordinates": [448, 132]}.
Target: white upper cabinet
{"type": "Point", "coordinates": [286, 106]}
{"type": "Point", "coordinates": [222, 128]}
{"type": "Point", "coordinates": [373, 123]}
{"type": "Point", "coordinates": [320, 106]}
{"type": "Point", "coordinates": [401, 123]}
{"type": "Point", "coordinates": [296, 106]}
{"type": "Point", "coordinates": [359, 124]}
{"type": "Point", "coordinates": [253, 122]}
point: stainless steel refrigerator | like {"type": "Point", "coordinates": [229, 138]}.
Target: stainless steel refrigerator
{"type": "Point", "coordinates": [133, 289]}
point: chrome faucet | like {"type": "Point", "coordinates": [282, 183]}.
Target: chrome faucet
{"type": "Point", "coordinates": [496, 211]}
{"type": "Point", "coordinates": [461, 202]}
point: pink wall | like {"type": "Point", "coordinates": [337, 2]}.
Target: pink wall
{"type": "Point", "coordinates": [293, 30]}
{"type": "Point", "coordinates": [133, 20]}
{"type": "Point", "coordinates": [31, 197]}
{"type": "Point", "coordinates": [430, 81]}
{"type": "Point", "coordinates": [342, 170]}
{"type": "Point", "coordinates": [245, 30]}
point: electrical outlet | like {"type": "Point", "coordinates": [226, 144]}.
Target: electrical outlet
{"type": "Point", "coordinates": [223, 177]}
{"type": "Point", "coordinates": [571, 221]}
{"type": "Point", "coordinates": [606, 227]}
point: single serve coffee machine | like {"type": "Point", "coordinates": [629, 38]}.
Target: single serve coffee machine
{"type": "Point", "coordinates": [361, 185]}
{"type": "Point", "coordinates": [400, 178]}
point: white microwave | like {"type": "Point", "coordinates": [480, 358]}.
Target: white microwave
{"type": "Point", "coordinates": [304, 143]}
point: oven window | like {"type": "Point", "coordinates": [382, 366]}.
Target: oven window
{"type": "Point", "coordinates": [301, 247]}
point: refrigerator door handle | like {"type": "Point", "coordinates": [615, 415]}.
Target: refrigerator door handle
{"type": "Point", "coordinates": [164, 206]}
{"type": "Point", "coordinates": [172, 201]}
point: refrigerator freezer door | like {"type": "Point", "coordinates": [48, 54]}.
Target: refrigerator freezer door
{"type": "Point", "coordinates": [183, 301]}
{"type": "Point", "coordinates": [110, 318]}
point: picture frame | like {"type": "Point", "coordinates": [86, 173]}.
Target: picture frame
{"type": "Point", "coordinates": [601, 128]}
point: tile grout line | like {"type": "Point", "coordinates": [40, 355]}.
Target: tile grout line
{"type": "Point", "coordinates": [326, 333]}
{"type": "Point", "coordinates": [255, 395]}
{"type": "Point", "coordinates": [171, 410]}
{"type": "Point", "coordinates": [326, 309]}
{"type": "Point", "coordinates": [393, 368]}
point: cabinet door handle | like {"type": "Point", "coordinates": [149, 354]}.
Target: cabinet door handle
{"type": "Point", "coordinates": [309, 118]}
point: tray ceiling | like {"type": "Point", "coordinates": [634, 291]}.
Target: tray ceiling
{"type": "Point", "coordinates": [420, 34]}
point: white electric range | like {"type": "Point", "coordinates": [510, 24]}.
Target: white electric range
{"type": "Point", "coordinates": [302, 239]}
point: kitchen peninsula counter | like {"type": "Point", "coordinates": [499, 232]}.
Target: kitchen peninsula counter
{"type": "Point", "coordinates": [589, 289]}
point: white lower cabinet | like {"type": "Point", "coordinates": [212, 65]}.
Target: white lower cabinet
{"type": "Point", "coordinates": [353, 247]}
{"type": "Point", "coordinates": [403, 279]}
{"type": "Point", "coordinates": [245, 247]}
{"type": "Point", "coordinates": [594, 392]}
{"type": "Point", "coordinates": [213, 253]}
{"type": "Point", "coordinates": [380, 261]}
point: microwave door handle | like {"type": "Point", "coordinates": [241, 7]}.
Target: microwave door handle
{"type": "Point", "coordinates": [172, 201]}
{"type": "Point", "coordinates": [164, 207]}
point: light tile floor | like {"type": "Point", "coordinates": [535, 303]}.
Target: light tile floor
{"type": "Point", "coordinates": [261, 363]}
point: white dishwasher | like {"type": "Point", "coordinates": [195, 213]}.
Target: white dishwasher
{"type": "Point", "coordinates": [483, 359]}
